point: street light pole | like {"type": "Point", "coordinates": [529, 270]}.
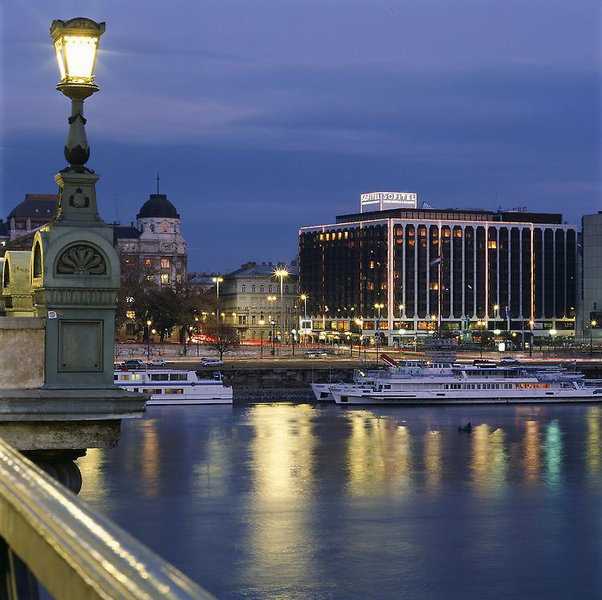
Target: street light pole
{"type": "Point", "coordinates": [592, 324]}
{"type": "Point", "coordinates": [261, 324]}
{"type": "Point", "coordinates": [304, 298]}
{"type": "Point", "coordinates": [378, 306]}
{"type": "Point", "coordinates": [281, 273]}
{"type": "Point", "coordinates": [217, 281]}
{"type": "Point", "coordinates": [273, 350]}
{"type": "Point", "coordinates": [148, 324]}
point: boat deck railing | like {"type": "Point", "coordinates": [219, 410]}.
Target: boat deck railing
{"type": "Point", "coordinates": [51, 537]}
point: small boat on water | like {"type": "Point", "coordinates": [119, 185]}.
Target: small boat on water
{"type": "Point", "coordinates": [173, 387]}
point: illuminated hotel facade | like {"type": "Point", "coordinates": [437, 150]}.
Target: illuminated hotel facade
{"type": "Point", "coordinates": [409, 272]}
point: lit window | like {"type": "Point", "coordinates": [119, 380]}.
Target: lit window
{"type": "Point", "coordinates": [130, 314]}
{"type": "Point", "coordinates": [164, 277]}
{"type": "Point", "coordinates": [165, 263]}
{"type": "Point", "coordinates": [164, 227]}
{"type": "Point", "coordinates": [346, 234]}
{"type": "Point", "coordinates": [340, 235]}
{"type": "Point", "coordinates": [148, 262]}
{"type": "Point", "coordinates": [492, 245]}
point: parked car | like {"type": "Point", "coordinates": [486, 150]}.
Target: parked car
{"type": "Point", "coordinates": [211, 362]}
{"type": "Point", "coordinates": [156, 362]}
{"type": "Point", "coordinates": [316, 354]}
{"type": "Point", "coordinates": [133, 363]}
{"type": "Point", "coordinates": [508, 360]}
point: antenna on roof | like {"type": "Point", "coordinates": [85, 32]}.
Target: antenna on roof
{"type": "Point", "coordinates": [157, 184]}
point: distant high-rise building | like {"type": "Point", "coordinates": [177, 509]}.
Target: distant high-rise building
{"type": "Point", "coordinates": [406, 272]}
{"type": "Point", "coordinates": [589, 321]}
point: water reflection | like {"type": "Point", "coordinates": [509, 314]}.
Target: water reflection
{"type": "Point", "coordinates": [378, 456]}
{"type": "Point", "coordinates": [593, 450]}
{"type": "Point", "coordinates": [489, 462]}
{"type": "Point", "coordinates": [553, 454]}
{"type": "Point", "coordinates": [285, 501]}
{"type": "Point", "coordinates": [279, 512]}
{"type": "Point", "coordinates": [532, 452]}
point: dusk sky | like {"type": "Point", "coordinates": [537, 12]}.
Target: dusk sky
{"type": "Point", "coordinates": [263, 116]}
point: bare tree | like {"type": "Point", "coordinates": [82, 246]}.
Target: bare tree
{"type": "Point", "coordinates": [221, 337]}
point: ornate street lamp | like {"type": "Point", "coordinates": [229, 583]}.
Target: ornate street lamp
{"type": "Point", "coordinates": [76, 45]}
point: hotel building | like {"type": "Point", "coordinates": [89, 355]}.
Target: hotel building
{"type": "Point", "coordinates": [404, 271]}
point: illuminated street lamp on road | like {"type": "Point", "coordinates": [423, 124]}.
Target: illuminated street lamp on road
{"type": "Point", "coordinates": [281, 273]}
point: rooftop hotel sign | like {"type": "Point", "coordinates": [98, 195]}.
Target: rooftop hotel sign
{"type": "Point", "coordinates": [384, 200]}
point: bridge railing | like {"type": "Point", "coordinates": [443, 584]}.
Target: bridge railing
{"type": "Point", "coordinates": [72, 550]}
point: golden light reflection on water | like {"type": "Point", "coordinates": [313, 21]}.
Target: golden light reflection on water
{"type": "Point", "coordinates": [433, 460]}
{"type": "Point", "coordinates": [593, 454]}
{"type": "Point", "coordinates": [150, 458]}
{"type": "Point", "coordinates": [92, 476]}
{"type": "Point", "coordinates": [378, 456]}
{"type": "Point", "coordinates": [531, 452]}
{"type": "Point", "coordinates": [280, 515]}
{"type": "Point", "coordinates": [489, 459]}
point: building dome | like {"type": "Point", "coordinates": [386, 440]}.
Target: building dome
{"type": "Point", "coordinates": [158, 206]}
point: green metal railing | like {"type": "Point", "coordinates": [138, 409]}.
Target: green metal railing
{"type": "Point", "coordinates": [49, 534]}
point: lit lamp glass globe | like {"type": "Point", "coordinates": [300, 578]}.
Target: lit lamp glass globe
{"type": "Point", "coordinates": [76, 46]}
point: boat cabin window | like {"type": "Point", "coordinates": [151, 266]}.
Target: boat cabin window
{"type": "Point", "coordinates": [153, 391]}
{"type": "Point", "coordinates": [174, 391]}
{"type": "Point", "coordinates": [178, 376]}
{"type": "Point", "coordinates": [159, 377]}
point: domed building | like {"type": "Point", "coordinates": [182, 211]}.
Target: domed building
{"type": "Point", "coordinates": [154, 249]}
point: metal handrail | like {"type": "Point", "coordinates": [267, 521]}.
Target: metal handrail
{"type": "Point", "coordinates": [71, 549]}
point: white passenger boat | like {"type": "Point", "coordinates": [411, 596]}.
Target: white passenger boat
{"type": "Point", "coordinates": [402, 370]}
{"type": "Point", "coordinates": [172, 387]}
{"type": "Point", "coordinates": [474, 385]}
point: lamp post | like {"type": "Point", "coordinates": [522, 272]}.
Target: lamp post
{"type": "Point", "coordinates": [531, 337]}
{"type": "Point", "coordinates": [148, 324]}
{"type": "Point", "coordinates": [217, 281]}
{"type": "Point", "coordinates": [293, 332]}
{"type": "Point", "coordinates": [261, 324]}
{"type": "Point", "coordinates": [304, 298]}
{"type": "Point", "coordinates": [379, 307]}
{"type": "Point", "coordinates": [592, 324]}
{"type": "Point", "coordinates": [281, 273]}
{"type": "Point", "coordinates": [76, 45]}
{"type": "Point", "coordinates": [359, 322]}
{"type": "Point", "coordinates": [273, 350]}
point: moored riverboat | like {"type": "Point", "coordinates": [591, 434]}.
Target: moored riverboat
{"type": "Point", "coordinates": [173, 387]}
{"type": "Point", "coordinates": [475, 385]}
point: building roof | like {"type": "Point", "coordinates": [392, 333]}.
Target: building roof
{"type": "Point", "coordinates": [35, 206]}
{"type": "Point", "coordinates": [453, 214]}
{"type": "Point", "coordinates": [158, 206]}
{"type": "Point", "coordinates": [128, 233]}
{"type": "Point", "coordinates": [253, 269]}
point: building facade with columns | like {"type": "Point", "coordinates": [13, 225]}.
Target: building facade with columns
{"type": "Point", "coordinates": [410, 272]}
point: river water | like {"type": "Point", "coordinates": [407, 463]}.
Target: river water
{"type": "Point", "coordinates": [294, 501]}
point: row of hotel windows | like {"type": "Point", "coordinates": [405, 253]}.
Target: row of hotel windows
{"type": "Point", "coordinates": [453, 270]}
